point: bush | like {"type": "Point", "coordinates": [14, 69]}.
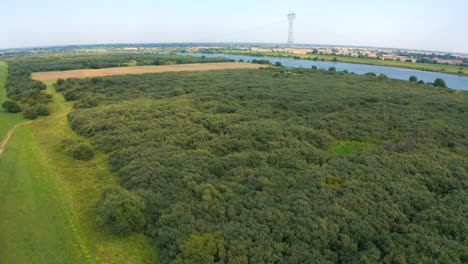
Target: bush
{"type": "Point", "coordinates": [41, 110]}
{"type": "Point", "coordinates": [371, 74]}
{"type": "Point", "coordinates": [87, 102]}
{"type": "Point", "coordinates": [70, 96]}
{"type": "Point", "coordinates": [83, 152]}
{"type": "Point", "coordinates": [413, 78]}
{"type": "Point", "coordinates": [60, 81]}
{"type": "Point", "coordinates": [30, 113]}
{"type": "Point", "coordinates": [332, 69]}
{"type": "Point", "coordinates": [440, 83]}
{"type": "Point", "coordinates": [261, 61]}
{"type": "Point", "coordinates": [421, 82]}
{"type": "Point", "coordinates": [37, 110]}
{"type": "Point", "coordinates": [278, 64]}
{"type": "Point", "coordinates": [314, 68]}
{"type": "Point", "coordinates": [11, 107]}
{"type": "Point", "coordinates": [382, 77]}
{"type": "Point", "coordinates": [119, 211]}
{"type": "Point", "coordinates": [178, 91]}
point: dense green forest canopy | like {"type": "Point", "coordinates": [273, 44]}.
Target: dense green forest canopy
{"type": "Point", "coordinates": [284, 165]}
{"type": "Point", "coordinates": [28, 92]}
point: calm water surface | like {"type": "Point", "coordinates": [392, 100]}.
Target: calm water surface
{"type": "Point", "coordinates": [453, 81]}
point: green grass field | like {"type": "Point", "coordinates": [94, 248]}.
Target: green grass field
{"type": "Point", "coordinates": [35, 223]}
{"type": "Point", "coordinates": [7, 120]}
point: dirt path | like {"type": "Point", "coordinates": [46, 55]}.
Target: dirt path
{"type": "Point", "coordinates": [51, 75]}
{"type": "Point", "coordinates": [59, 113]}
{"type": "Point", "coordinates": [8, 135]}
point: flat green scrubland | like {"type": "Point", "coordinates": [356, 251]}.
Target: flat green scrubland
{"type": "Point", "coordinates": [285, 165]}
{"type": "Point", "coordinates": [242, 166]}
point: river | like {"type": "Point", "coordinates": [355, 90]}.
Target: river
{"type": "Point", "coordinates": [453, 81]}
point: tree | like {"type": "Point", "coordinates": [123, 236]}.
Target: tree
{"type": "Point", "coordinates": [41, 110]}
{"type": "Point", "coordinates": [332, 69]}
{"type": "Point", "coordinates": [60, 81]}
{"type": "Point", "coordinates": [119, 211]}
{"type": "Point", "coordinates": [413, 78]}
{"type": "Point", "coordinates": [83, 152]}
{"type": "Point", "coordinates": [278, 64]}
{"type": "Point", "coordinates": [314, 67]}
{"type": "Point", "coordinates": [382, 77]}
{"type": "Point", "coordinates": [202, 247]}
{"type": "Point", "coordinates": [30, 113]}
{"type": "Point", "coordinates": [440, 83]}
{"type": "Point", "coordinates": [70, 95]}
{"type": "Point", "coordinates": [11, 107]}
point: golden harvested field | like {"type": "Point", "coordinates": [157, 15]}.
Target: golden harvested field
{"type": "Point", "coordinates": [52, 75]}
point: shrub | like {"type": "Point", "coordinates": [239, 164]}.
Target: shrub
{"type": "Point", "coordinates": [202, 247]}
{"type": "Point", "coordinates": [413, 78]}
{"type": "Point", "coordinates": [314, 68]}
{"type": "Point", "coordinates": [41, 110]}
{"type": "Point", "coordinates": [87, 102]}
{"type": "Point", "coordinates": [70, 96]}
{"type": "Point", "coordinates": [382, 77]}
{"type": "Point", "coordinates": [11, 107]}
{"type": "Point", "coordinates": [178, 91]}
{"type": "Point", "coordinates": [332, 69]}
{"type": "Point", "coordinates": [30, 113]}
{"type": "Point", "coordinates": [371, 74]}
{"type": "Point", "coordinates": [83, 152]}
{"type": "Point", "coordinates": [119, 211]}
{"type": "Point", "coordinates": [440, 83]}
{"type": "Point", "coordinates": [332, 180]}
{"type": "Point", "coordinates": [60, 81]}
{"type": "Point", "coordinates": [37, 110]}
{"type": "Point", "coordinates": [278, 64]}
{"type": "Point", "coordinates": [421, 82]}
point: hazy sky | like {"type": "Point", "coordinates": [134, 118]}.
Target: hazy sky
{"type": "Point", "coordinates": [415, 24]}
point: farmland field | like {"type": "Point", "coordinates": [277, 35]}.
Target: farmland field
{"type": "Point", "coordinates": [140, 69]}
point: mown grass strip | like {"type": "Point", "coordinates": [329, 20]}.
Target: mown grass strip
{"type": "Point", "coordinates": [7, 120]}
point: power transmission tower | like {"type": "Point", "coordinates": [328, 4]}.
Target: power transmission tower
{"type": "Point", "coordinates": [291, 16]}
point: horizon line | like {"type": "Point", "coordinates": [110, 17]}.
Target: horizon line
{"type": "Point", "coordinates": [238, 43]}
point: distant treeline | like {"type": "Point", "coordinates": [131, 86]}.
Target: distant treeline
{"type": "Point", "coordinates": [281, 165]}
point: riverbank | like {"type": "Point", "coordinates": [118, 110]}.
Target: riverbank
{"type": "Point", "coordinates": [450, 69]}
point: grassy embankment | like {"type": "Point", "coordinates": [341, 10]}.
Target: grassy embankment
{"type": "Point", "coordinates": [452, 69]}
{"type": "Point", "coordinates": [82, 182]}
{"type": "Point", "coordinates": [35, 224]}
{"type": "Point", "coordinates": [7, 120]}
{"type": "Point", "coordinates": [47, 198]}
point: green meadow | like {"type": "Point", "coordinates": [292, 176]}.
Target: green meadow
{"type": "Point", "coordinates": [7, 120]}
{"type": "Point", "coordinates": [36, 226]}
{"type": "Point", "coordinates": [47, 202]}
